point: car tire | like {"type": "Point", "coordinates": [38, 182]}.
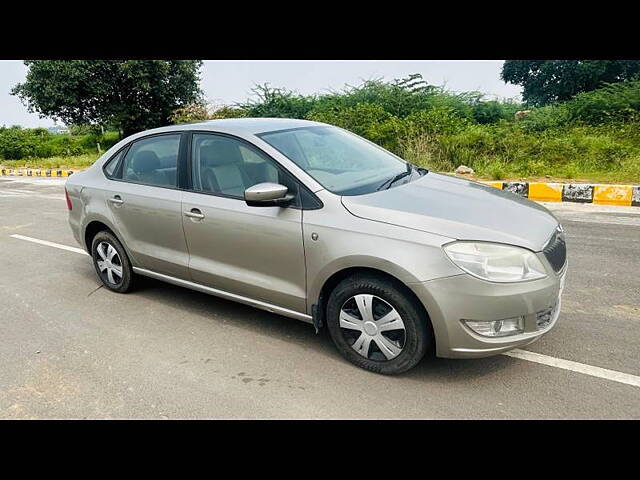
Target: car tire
{"type": "Point", "coordinates": [116, 273]}
{"type": "Point", "coordinates": [387, 299]}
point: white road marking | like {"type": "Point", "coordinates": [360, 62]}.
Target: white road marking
{"type": "Point", "coordinates": [36, 180]}
{"type": "Point", "coordinates": [595, 218]}
{"type": "Point", "coordinates": [573, 207]}
{"type": "Point", "coordinates": [626, 240]}
{"type": "Point", "coordinates": [49, 244]}
{"type": "Point", "coordinates": [18, 190]}
{"type": "Point", "coordinates": [612, 375]}
{"type": "Point", "coordinates": [583, 368]}
{"type": "Point", "coordinates": [35, 195]}
{"type": "Point", "coordinates": [594, 213]}
{"type": "Point", "coordinates": [15, 192]}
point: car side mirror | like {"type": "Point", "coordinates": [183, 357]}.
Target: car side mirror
{"type": "Point", "coordinates": [267, 195]}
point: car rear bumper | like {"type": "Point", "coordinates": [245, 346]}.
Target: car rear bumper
{"type": "Point", "coordinates": [450, 300]}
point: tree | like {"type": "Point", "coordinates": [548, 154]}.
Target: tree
{"type": "Point", "coordinates": [549, 81]}
{"type": "Point", "coordinates": [133, 95]}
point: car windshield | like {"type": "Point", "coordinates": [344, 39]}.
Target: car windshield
{"type": "Point", "coordinates": [340, 161]}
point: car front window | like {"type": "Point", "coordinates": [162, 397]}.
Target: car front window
{"type": "Point", "coordinates": [340, 161]}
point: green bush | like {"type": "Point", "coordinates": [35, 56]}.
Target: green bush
{"type": "Point", "coordinates": [437, 120]}
{"type": "Point", "coordinates": [494, 111]}
{"type": "Point", "coordinates": [368, 120]}
{"type": "Point", "coordinates": [545, 118]}
{"type": "Point", "coordinates": [618, 102]}
{"type": "Point", "coordinates": [398, 98]}
{"type": "Point", "coordinates": [23, 143]}
{"type": "Point", "coordinates": [614, 102]}
{"type": "Point", "coordinates": [425, 151]}
{"type": "Point", "coordinates": [74, 162]}
{"type": "Point", "coordinates": [192, 112]}
{"type": "Point", "coordinates": [277, 103]}
{"type": "Point", "coordinates": [16, 143]}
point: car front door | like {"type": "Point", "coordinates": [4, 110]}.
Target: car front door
{"type": "Point", "coordinates": [255, 252]}
{"type": "Point", "coordinates": [146, 204]}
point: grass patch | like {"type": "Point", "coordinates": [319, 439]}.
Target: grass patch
{"type": "Point", "coordinates": [508, 151]}
{"type": "Point", "coordinates": [73, 162]}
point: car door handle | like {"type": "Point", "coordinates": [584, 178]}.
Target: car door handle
{"type": "Point", "coordinates": [116, 200]}
{"type": "Point", "coordinates": [194, 213]}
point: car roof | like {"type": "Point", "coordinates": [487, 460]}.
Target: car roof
{"type": "Point", "coordinates": [251, 126]}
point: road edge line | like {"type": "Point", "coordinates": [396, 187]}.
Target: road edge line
{"type": "Point", "coordinates": [49, 244]}
{"type": "Point", "coordinates": [613, 375]}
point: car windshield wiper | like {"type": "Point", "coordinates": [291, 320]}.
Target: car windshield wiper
{"type": "Point", "coordinates": [391, 181]}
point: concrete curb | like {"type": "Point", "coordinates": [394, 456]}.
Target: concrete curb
{"type": "Point", "coordinates": [621, 195]}
{"type": "Point", "coordinates": [35, 172]}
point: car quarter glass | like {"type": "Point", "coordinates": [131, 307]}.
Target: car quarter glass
{"type": "Point", "coordinates": [111, 168]}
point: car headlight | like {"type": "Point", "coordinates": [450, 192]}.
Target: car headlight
{"type": "Point", "coordinates": [495, 262]}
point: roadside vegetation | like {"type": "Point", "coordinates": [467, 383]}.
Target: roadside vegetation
{"type": "Point", "coordinates": [37, 148]}
{"type": "Point", "coordinates": [594, 135]}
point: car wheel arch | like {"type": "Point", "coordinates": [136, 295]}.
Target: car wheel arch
{"type": "Point", "coordinates": [320, 303]}
{"type": "Point", "coordinates": [94, 227]}
{"type": "Point", "coordinates": [318, 280]}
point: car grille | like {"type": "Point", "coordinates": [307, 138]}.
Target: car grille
{"type": "Point", "coordinates": [556, 251]}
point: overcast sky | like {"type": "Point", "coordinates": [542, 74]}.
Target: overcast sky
{"type": "Point", "coordinates": [225, 81]}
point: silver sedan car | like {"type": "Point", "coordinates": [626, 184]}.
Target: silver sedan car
{"type": "Point", "coordinates": [312, 222]}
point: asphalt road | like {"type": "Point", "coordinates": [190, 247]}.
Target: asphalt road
{"type": "Point", "coordinates": [70, 349]}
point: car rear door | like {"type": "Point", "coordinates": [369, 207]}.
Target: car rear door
{"type": "Point", "coordinates": [145, 202]}
{"type": "Point", "coordinates": [254, 252]}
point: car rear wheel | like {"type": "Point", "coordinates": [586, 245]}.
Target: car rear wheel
{"type": "Point", "coordinates": [376, 325]}
{"type": "Point", "coordinates": [111, 262]}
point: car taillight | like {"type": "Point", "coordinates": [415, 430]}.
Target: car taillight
{"type": "Point", "coordinates": [69, 204]}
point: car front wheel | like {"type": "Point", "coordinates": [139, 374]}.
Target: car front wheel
{"type": "Point", "coordinates": [376, 325]}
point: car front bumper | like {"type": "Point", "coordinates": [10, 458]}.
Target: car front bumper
{"type": "Point", "coordinates": [450, 300]}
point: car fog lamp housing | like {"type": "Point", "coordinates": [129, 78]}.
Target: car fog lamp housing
{"type": "Point", "coordinates": [496, 262]}
{"type": "Point", "coordinates": [497, 328]}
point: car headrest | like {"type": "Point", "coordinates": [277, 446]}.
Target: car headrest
{"type": "Point", "coordinates": [219, 153]}
{"type": "Point", "coordinates": [145, 161]}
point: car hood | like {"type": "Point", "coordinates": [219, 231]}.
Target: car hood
{"type": "Point", "coordinates": [460, 209]}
